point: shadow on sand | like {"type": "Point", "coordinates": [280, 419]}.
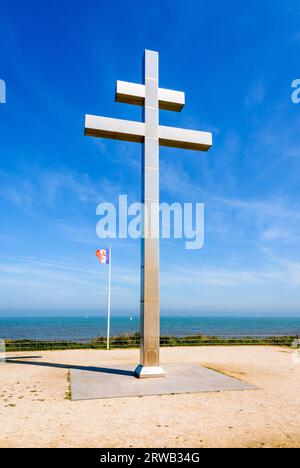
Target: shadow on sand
{"type": "Point", "coordinates": [104, 370]}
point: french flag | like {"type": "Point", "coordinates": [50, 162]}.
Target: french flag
{"type": "Point", "coordinates": [103, 255]}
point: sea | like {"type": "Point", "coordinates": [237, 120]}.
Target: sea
{"type": "Point", "coordinates": [87, 327]}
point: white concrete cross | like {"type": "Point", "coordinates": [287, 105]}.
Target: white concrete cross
{"type": "Point", "coordinates": [151, 134]}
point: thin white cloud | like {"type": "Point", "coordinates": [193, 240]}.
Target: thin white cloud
{"type": "Point", "coordinates": [270, 208]}
{"type": "Point", "coordinates": [274, 233]}
{"type": "Point", "coordinates": [280, 272]}
{"type": "Point", "coordinates": [255, 94]}
{"type": "Point", "coordinates": [78, 233]}
{"type": "Point", "coordinates": [42, 186]}
{"type": "Point", "coordinates": [175, 181]}
{"type": "Point", "coordinates": [63, 284]}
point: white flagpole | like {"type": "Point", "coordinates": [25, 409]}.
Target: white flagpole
{"type": "Point", "coordinates": [108, 301]}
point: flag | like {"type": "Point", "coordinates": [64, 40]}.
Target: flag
{"type": "Point", "coordinates": [103, 255]}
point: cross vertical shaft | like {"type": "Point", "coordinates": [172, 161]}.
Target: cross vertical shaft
{"type": "Point", "coordinates": [150, 306]}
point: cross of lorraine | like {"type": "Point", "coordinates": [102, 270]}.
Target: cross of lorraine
{"type": "Point", "coordinates": [151, 135]}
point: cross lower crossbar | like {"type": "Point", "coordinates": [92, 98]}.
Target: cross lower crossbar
{"type": "Point", "coordinates": [129, 130]}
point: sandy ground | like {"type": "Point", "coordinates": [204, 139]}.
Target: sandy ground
{"type": "Point", "coordinates": [35, 413]}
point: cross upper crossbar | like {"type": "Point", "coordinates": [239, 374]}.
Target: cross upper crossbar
{"type": "Point", "coordinates": [132, 93]}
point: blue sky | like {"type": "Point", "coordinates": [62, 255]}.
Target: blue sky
{"type": "Point", "coordinates": [236, 62]}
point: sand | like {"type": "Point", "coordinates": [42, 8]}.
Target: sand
{"type": "Point", "coordinates": [35, 413]}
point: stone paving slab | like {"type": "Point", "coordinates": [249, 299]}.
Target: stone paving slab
{"type": "Point", "coordinates": [117, 382]}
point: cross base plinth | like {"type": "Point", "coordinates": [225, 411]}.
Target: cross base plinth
{"type": "Point", "coordinates": [147, 372]}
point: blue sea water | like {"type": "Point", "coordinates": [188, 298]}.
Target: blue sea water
{"type": "Point", "coordinates": [84, 328]}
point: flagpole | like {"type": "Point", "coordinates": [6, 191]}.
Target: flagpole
{"type": "Point", "coordinates": [108, 301]}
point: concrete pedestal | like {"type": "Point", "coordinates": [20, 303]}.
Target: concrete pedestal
{"type": "Point", "coordinates": [121, 382]}
{"type": "Point", "coordinates": [144, 372]}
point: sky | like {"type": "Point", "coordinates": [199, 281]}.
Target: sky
{"type": "Point", "coordinates": [235, 61]}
